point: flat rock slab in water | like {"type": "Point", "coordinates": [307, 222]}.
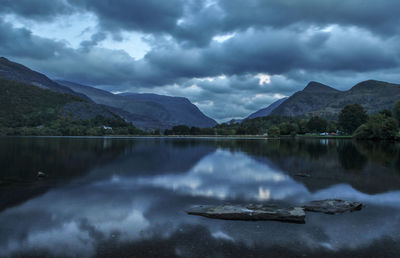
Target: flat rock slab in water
{"type": "Point", "coordinates": [332, 206]}
{"type": "Point", "coordinates": [249, 212]}
{"type": "Point", "coordinates": [303, 175]}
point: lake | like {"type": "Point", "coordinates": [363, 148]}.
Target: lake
{"type": "Point", "coordinates": [125, 197]}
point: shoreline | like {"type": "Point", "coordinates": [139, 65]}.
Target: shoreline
{"type": "Point", "coordinates": [183, 136]}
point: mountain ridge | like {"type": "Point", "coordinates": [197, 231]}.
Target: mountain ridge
{"type": "Point", "coordinates": [152, 111]}
{"type": "Point", "coordinates": [26, 109]}
{"type": "Point", "coordinates": [147, 111]}
{"type": "Point", "coordinates": [185, 110]}
{"type": "Point", "coordinates": [17, 72]}
{"type": "Point", "coordinates": [314, 86]}
{"type": "Point", "coordinates": [143, 111]}
{"type": "Point", "coordinates": [373, 95]}
{"type": "Point", "coordinates": [268, 110]}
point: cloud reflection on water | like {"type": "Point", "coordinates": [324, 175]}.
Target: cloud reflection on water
{"type": "Point", "coordinates": [225, 175]}
{"type": "Point", "coordinates": [74, 219]}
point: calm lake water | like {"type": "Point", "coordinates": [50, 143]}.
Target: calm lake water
{"type": "Point", "coordinates": [125, 197]}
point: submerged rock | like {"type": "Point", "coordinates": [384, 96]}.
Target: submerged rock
{"type": "Point", "coordinates": [41, 174]}
{"type": "Point", "coordinates": [249, 212]}
{"type": "Point", "coordinates": [303, 175]}
{"type": "Point", "coordinates": [333, 206]}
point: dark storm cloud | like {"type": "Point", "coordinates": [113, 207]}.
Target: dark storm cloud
{"type": "Point", "coordinates": [226, 16]}
{"type": "Point", "coordinates": [376, 15]}
{"type": "Point", "coordinates": [56, 59]}
{"type": "Point", "coordinates": [38, 9]}
{"type": "Point", "coordinates": [197, 22]}
{"type": "Point", "coordinates": [274, 52]}
{"type": "Point", "coordinates": [94, 40]}
{"type": "Point", "coordinates": [250, 52]}
{"type": "Point", "coordinates": [19, 42]}
{"type": "Point", "coordinates": [242, 84]}
{"type": "Point", "coordinates": [200, 22]}
{"type": "Point", "coordinates": [146, 16]}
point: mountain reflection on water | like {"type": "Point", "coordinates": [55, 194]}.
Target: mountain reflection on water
{"type": "Point", "coordinates": [126, 197]}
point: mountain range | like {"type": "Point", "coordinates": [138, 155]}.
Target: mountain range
{"type": "Point", "coordinates": [27, 95]}
{"type": "Point", "coordinates": [152, 111]}
{"type": "Point", "coordinates": [145, 111]}
{"type": "Point", "coordinates": [24, 106]}
{"type": "Point", "coordinates": [318, 99]}
{"type": "Point", "coordinates": [325, 101]}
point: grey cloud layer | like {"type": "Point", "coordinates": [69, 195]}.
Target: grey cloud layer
{"type": "Point", "coordinates": [299, 40]}
{"type": "Point", "coordinates": [19, 42]}
{"type": "Point", "coordinates": [148, 16]}
{"type": "Point", "coordinates": [201, 20]}
{"type": "Point", "coordinates": [38, 10]}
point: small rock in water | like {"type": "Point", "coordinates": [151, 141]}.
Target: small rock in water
{"type": "Point", "coordinates": [41, 174]}
{"type": "Point", "coordinates": [333, 206]}
{"type": "Point", "coordinates": [249, 212]}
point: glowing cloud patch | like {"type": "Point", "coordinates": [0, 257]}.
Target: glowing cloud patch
{"type": "Point", "coordinates": [263, 78]}
{"type": "Point", "coordinates": [222, 38]}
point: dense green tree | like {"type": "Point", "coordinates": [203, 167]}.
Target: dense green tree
{"type": "Point", "coordinates": [94, 131]}
{"type": "Point", "coordinates": [294, 128]}
{"type": "Point", "coordinates": [195, 131]}
{"type": "Point", "coordinates": [225, 131]}
{"type": "Point", "coordinates": [181, 130]}
{"type": "Point", "coordinates": [241, 130]}
{"type": "Point", "coordinates": [377, 127]}
{"type": "Point", "coordinates": [207, 131]}
{"type": "Point", "coordinates": [332, 127]}
{"type": "Point", "coordinates": [274, 132]}
{"type": "Point", "coordinates": [185, 130]}
{"type": "Point", "coordinates": [258, 125]}
{"type": "Point", "coordinates": [302, 124]}
{"type": "Point", "coordinates": [351, 117]}
{"type": "Point", "coordinates": [249, 129]}
{"type": "Point", "coordinates": [284, 128]}
{"type": "Point", "coordinates": [386, 112]}
{"type": "Point", "coordinates": [396, 111]}
{"type": "Point", "coordinates": [317, 124]}
{"type": "Point", "coordinates": [287, 128]}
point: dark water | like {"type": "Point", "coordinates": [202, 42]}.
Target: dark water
{"type": "Point", "coordinates": [120, 197]}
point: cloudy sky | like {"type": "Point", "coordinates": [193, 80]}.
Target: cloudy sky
{"type": "Point", "coordinates": [229, 57]}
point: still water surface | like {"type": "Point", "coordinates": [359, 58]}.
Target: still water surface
{"type": "Point", "coordinates": [125, 197]}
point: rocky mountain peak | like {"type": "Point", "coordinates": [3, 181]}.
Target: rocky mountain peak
{"type": "Point", "coordinates": [370, 85]}
{"type": "Point", "coordinates": [318, 87]}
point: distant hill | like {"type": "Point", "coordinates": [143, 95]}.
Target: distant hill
{"type": "Point", "coordinates": [147, 111]}
{"type": "Point", "coordinates": [322, 100]}
{"type": "Point", "coordinates": [24, 105]}
{"type": "Point", "coordinates": [268, 110]}
{"type": "Point", "coordinates": [234, 121]}
{"type": "Point", "coordinates": [31, 99]}
{"type": "Point", "coordinates": [181, 109]}
{"type": "Point", "coordinates": [17, 72]}
{"type": "Point", "coordinates": [121, 106]}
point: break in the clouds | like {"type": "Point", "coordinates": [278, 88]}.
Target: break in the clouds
{"type": "Point", "coordinates": [230, 57]}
